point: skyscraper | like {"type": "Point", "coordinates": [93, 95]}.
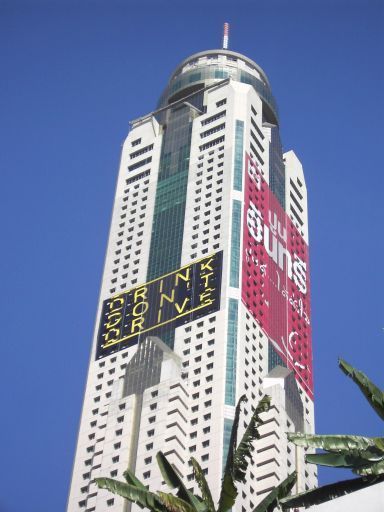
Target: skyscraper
{"type": "Point", "coordinates": [205, 293]}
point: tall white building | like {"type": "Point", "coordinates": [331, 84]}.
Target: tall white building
{"type": "Point", "coordinates": [205, 292]}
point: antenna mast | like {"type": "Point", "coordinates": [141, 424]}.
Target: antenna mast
{"type": "Point", "coordinates": [226, 36]}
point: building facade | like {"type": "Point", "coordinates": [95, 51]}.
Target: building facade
{"type": "Point", "coordinates": [205, 292]}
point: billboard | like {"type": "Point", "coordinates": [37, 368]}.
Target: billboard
{"type": "Point", "coordinates": [173, 299]}
{"type": "Point", "coordinates": [275, 276]}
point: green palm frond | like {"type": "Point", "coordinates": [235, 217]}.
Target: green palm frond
{"type": "Point", "coordinates": [244, 450]}
{"type": "Point", "coordinates": [237, 460]}
{"type": "Point", "coordinates": [131, 479]}
{"type": "Point", "coordinates": [372, 393]}
{"type": "Point", "coordinates": [174, 504]}
{"type": "Point", "coordinates": [337, 460]}
{"type": "Point", "coordinates": [141, 497]}
{"type": "Point", "coordinates": [203, 485]}
{"type": "Point", "coordinates": [367, 447]}
{"type": "Point", "coordinates": [228, 489]}
{"type": "Point", "coordinates": [270, 502]}
{"type": "Point", "coordinates": [363, 455]}
{"type": "Point", "coordinates": [171, 478]}
{"type": "Point", "coordinates": [174, 481]}
{"type": "Point", "coordinates": [374, 468]}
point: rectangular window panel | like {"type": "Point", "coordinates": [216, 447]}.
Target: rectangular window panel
{"type": "Point", "coordinates": [235, 244]}
{"type": "Point", "coordinates": [230, 376]}
{"type": "Point", "coordinates": [238, 164]}
{"type": "Point", "coordinates": [227, 436]}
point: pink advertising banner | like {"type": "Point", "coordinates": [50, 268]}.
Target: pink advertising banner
{"type": "Point", "coordinates": [275, 276]}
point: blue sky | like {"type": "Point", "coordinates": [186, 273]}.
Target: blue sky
{"type": "Point", "coordinates": [73, 74]}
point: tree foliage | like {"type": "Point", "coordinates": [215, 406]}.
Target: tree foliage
{"type": "Point", "coordinates": [363, 455]}
{"type": "Point", "coordinates": [372, 393]}
{"type": "Point", "coordinates": [236, 466]}
{"type": "Point", "coordinates": [272, 500]}
{"type": "Point", "coordinates": [239, 456]}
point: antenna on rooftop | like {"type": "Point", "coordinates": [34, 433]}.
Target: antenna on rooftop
{"type": "Point", "coordinates": [226, 36]}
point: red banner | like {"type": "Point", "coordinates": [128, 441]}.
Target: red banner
{"type": "Point", "coordinates": [275, 279]}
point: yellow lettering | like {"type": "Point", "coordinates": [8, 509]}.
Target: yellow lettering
{"type": "Point", "coordinates": [205, 297]}
{"type": "Point", "coordinates": [181, 309]}
{"type": "Point", "coordinates": [161, 285]}
{"type": "Point", "coordinates": [112, 323]}
{"type": "Point", "coordinates": [137, 322]}
{"type": "Point", "coordinates": [118, 300]}
{"type": "Point", "coordinates": [140, 292]}
{"type": "Point", "coordinates": [114, 314]}
{"type": "Point", "coordinates": [185, 277]}
{"type": "Point", "coordinates": [206, 265]}
{"type": "Point", "coordinates": [168, 298]}
{"type": "Point", "coordinates": [159, 316]}
{"type": "Point", "coordinates": [140, 308]}
{"type": "Point", "coordinates": [107, 335]}
{"type": "Point", "coordinates": [205, 278]}
{"type": "Point", "coordinates": [207, 302]}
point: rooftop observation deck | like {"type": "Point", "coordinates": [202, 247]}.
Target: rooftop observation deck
{"type": "Point", "coordinates": [211, 66]}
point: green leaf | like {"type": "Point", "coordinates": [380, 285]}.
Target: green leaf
{"type": "Point", "coordinates": [173, 480]}
{"type": "Point", "coordinates": [203, 485]}
{"type": "Point", "coordinates": [327, 492]}
{"type": "Point", "coordinates": [133, 480]}
{"type": "Point", "coordinates": [237, 463]}
{"type": "Point", "coordinates": [174, 504]}
{"type": "Point", "coordinates": [356, 445]}
{"type": "Point", "coordinates": [363, 455]}
{"type": "Point", "coordinates": [228, 491]}
{"type": "Point", "coordinates": [281, 491]}
{"type": "Point", "coordinates": [245, 448]}
{"type": "Point", "coordinates": [168, 472]}
{"type": "Point", "coordinates": [372, 393]}
{"type": "Point", "coordinates": [143, 498]}
{"type": "Point", "coordinates": [375, 468]}
{"type": "Point", "coordinates": [336, 460]}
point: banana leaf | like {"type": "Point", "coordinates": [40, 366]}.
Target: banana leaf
{"type": "Point", "coordinates": [337, 460]}
{"type": "Point", "coordinates": [237, 462]}
{"type": "Point", "coordinates": [327, 492]}
{"type": "Point", "coordinates": [365, 447]}
{"type": "Point", "coordinates": [173, 480]}
{"type": "Point", "coordinates": [375, 468]}
{"type": "Point", "coordinates": [143, 498]}
{"type": "Point", "coordinates": [245, 448]}
{"type": "Point", "coordinates": [272, 500]}
{"type": "Point", "coordinates": [174, 504]}
{"type": "Point", "coordinates": [372, 393]}
{"type": "Point", "coordinates": [131, 479]}
{"type": "Point", "coordinates": [203, 485]}
{"type": "Point", "coordinates": [228, 491]}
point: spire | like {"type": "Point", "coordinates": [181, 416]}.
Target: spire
{"type": "Point", "coordinates": [226, 36]}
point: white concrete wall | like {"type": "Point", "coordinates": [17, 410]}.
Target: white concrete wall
{"type": "Point", "coordinates": [125, 265]}
{"type": "Point", "coordinates": [370, 499]}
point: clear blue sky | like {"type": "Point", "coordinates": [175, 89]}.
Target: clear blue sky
{"type": "Point", "coordinates": [73, 73]}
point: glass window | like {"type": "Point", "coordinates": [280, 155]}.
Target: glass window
{"type": "Point", "coordinates": [230, 375]}
{"type": "Point", "coordinates": [239, 150]}
{"type": "Point", "coordinates": [235, 244]}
